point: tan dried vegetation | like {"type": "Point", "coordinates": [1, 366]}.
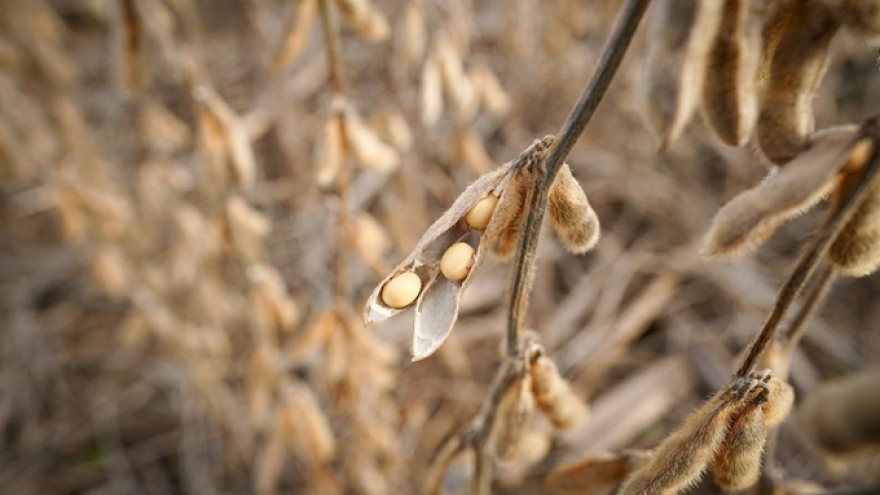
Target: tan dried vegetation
{"type": "Point", "coordinates": [206, 209]}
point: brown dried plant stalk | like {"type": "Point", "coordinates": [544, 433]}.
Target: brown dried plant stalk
{"type": "Point", "coordinates": [535, 205]}
{"type": "Point", "coordinates": [343, 177]}
{"type": "Point", "coordinates": [813, 253]}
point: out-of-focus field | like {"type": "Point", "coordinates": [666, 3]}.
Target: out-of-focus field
{"type": "Point", "coordinates": [170, 319]}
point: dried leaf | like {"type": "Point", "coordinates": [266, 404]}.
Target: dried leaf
{"type": "Point", "coordinates": [571, 214]}
{"type": "Point", "coordinates": [749, 219]}
{"type": "Point", "coordinates": [681, 35]}
{"type": "Point", "coordinates": [797, 65]}
{"type": "Point", "coordinates": [596, 474]}
{"type": "Point", "coordinates": [295, 34]}
{"type": "Point", "coordinates": [730, 93]}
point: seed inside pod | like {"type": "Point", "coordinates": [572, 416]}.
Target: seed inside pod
{"type": "Point", "coordinates": [457, 261]}
{"type": "Point", "coordinates": [402, 290]}
{"type": "Point", "coordinates": [479, 215]}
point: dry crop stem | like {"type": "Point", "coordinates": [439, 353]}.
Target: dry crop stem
{"type": "Point", "coordinates": [156, 340]}
{"type": "Point", "coordinates": [516, 361]}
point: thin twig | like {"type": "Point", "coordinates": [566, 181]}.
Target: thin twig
{"type": "Point", "coordinates": [624, 28]}
{"type": "Point", "coordinates": [815, 250]}
{"type": "Point", "coordinates": [343, 178]}
{"type": "Point", "coordinates": [791, 336]}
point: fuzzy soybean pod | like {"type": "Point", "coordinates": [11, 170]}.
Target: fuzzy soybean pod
{"type": "Point", "coordinates": [513, 417]}
{"type": "Point", "coordinates": [860, 17]}
{"type": "Point", "coordinates": [752, 217]}
{"type": "Point", "coordinates": [680, 460]}
{"type": "Point", "coordinates": [856, 251]}
{"type": "Point", "coordinates": [737, 465]}
{"type": "Point", "coordinates": [794, 72]}
{"type": "Point", "coordinates": [554, 396]}
{"type": "Point", "coordinates": [730, 93]}
{"type": "Point", "coordinates": [681, 34]}
{"type": "Point", "coordinates": [571, 215]}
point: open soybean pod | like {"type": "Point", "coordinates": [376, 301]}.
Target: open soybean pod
{"type": "Point", "coordinates": [794, 71]}
{"type": "Point", "coordinates": [449, 252]}
{"type": "Point", "coordinates": [681, 35]}
{"type": "Point", "coordinates": [750, 218]}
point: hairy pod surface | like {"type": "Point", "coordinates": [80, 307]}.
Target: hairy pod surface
{"type": "Point", "coordinates": [737, 465]}
{"type": "Point", "coordinates": [730, 93]}
{"type": "Point", "coordinates": [794, 72]}
{"type": "Point", "coordinates": [861, 17]}
{"type": "Point", "coordinates": [554, 396]}
{"type": "Point", "coordinates": [513, 418]}
{"type": "Point", "coordinates": [750, 218]}
{"type": "Point", "coordinates": [571, 215]}
{"type": "Point", "coordinates": [856, 250]}
{"type": "Point", "coordinates": [681, 34]}
{"type": "Point", "coordinates": [680, 460]}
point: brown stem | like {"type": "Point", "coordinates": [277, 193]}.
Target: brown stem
{"type": "Point", "coordinates": [343, 179]}
{"type": "Point", "coordinates": [815, 250]}
{"type": "Point", "coordinates": [792, 334]}
{"type": "Point", "coordinates": [790, 337]}
{"type": "Point", "coordinates": [622, 33]}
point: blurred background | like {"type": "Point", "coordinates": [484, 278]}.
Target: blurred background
{"type": "Point", "coordinates": [175, 316]}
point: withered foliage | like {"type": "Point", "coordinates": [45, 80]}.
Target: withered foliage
{"type": "Point", "coordinates": [197, 196]}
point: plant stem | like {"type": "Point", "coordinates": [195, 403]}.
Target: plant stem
{"type": "Point", "coordinates": [343, 179]}
{"type": "Point", "coordinates": [812, 254]}
{"type": "Point", "coordinates": [622, 33]}
{"type": "Point", "coordinates": [792, 334]}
